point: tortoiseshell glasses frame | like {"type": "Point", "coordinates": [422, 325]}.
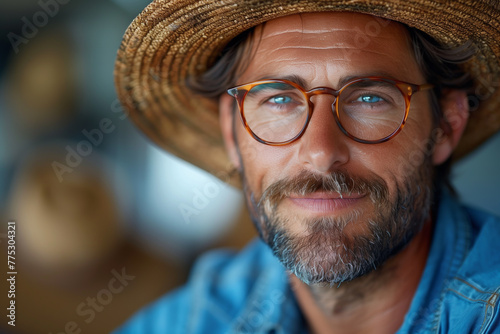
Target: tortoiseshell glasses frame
{"type": "Point", "coordinates": [365, 108]}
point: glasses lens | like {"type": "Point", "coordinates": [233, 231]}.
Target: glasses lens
{"type": "Point", "coordinates": [275, 112]}
{"type": "Point", "coordinates": [370, 109]}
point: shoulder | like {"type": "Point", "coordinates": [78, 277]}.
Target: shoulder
{"type": "Point", "coordinates": [218, 289]}
{"type": "Point", "coordinates": [471, 302]}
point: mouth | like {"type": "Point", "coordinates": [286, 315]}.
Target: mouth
{"type": "Point", "coordinates": [326, 202]}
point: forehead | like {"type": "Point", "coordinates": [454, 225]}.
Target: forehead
{"type": "Point", "coordinates": [327, 45]}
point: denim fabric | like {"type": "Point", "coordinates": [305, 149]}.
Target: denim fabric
{"type": "Point", "coordinates": [249, 292]}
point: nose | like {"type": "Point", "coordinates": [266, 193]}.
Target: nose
{"type": "Point", "coordinates": [323, 146]}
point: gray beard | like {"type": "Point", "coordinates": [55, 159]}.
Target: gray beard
{"type": "Point", "coordinates": [328, 256]}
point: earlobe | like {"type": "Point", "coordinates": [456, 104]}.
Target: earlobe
{"type": "Point", "coordinates": [454, 105]}
{"type": "Point", "coordinates": [226, 120]}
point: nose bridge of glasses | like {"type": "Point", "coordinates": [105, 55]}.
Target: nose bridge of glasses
{"type": "Point", "coordinates": [322, 91]}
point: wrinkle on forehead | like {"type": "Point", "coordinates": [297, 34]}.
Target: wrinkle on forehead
{"type": "Point", "coordinates": [332, 47]}
{"type": "Point", "coordinates": [346, 26]}
{"type": "Point", "coordinates": [306, 31]}
{"type": "Point", "coordinates": [318, 31]}
{"type": "Point", "coordinates": [324, 39]}
{"type": "Point", "coordinates": [307, 22]}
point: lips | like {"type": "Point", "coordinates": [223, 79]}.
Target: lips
{"type": "Point", "coordinates": [326, 202]}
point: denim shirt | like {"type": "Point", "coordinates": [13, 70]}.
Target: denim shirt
{"type": "Point", "coordinates": [249, 292]}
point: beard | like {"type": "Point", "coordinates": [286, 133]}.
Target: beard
{"type": "Point", "coordinates": [329, 253]}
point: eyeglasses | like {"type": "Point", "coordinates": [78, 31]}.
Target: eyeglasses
{"type": "Point", "coordinates": [368, 110]}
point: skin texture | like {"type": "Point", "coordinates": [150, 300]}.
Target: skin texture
{"type": "Point", "coordinates": [323, 50]}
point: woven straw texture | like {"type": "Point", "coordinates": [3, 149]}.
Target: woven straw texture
{"type": "Point", "coordinates": [173, 39]}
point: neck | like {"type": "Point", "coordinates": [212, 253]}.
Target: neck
{"type": "Point", "coordinates": [375, 303]}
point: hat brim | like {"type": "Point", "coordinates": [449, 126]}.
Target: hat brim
{"type": "Point", "coordinates": [173, 40]}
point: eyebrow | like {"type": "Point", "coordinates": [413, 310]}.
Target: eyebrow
{"type": "Point", "coordinates": [297, 79]}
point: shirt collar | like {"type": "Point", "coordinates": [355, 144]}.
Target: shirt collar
{"type": "Point", "coordinates": [271, 306]}
{"type": "Point", "coordinates": [451, 242]}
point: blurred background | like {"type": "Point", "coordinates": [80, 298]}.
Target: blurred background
{"type": "Point", "coordinates": [106, 222]}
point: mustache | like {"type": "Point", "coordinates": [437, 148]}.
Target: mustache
{"type": "Point", "coordinates": [340, 182]}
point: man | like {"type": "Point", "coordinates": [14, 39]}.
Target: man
{"type": "Point", "coordinates": [341, 118]}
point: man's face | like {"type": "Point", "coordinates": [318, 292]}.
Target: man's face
{"type": "Point", "coordinates": [333, 209]}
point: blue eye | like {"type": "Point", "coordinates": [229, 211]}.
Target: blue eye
{"type": "Point", "coordinates": [370, 99]}
{"type": "Point", "coordinates": [281, 99]}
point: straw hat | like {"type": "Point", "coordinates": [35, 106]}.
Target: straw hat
{"type": "Point", "coordinates": [174, 39]}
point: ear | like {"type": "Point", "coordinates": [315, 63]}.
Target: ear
{"type": "Point", "coordinates": [454, 104]}
{"type": "Point", "coordinates": [226, 120]}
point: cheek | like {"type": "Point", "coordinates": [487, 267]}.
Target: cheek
{"type": "Point", "coordinates": [262, 164]}
{"type": "Point", "coordinates": [398, 159]}
{"type": "Point", "coordinates": [414, 145]}
{"type": "Point", "coordinates": [251, 153]}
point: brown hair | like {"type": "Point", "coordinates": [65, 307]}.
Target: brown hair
{"type": "Point", "coordinates": [226, 69]}
{"type": "Point", "coordinates": [441, 67]}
